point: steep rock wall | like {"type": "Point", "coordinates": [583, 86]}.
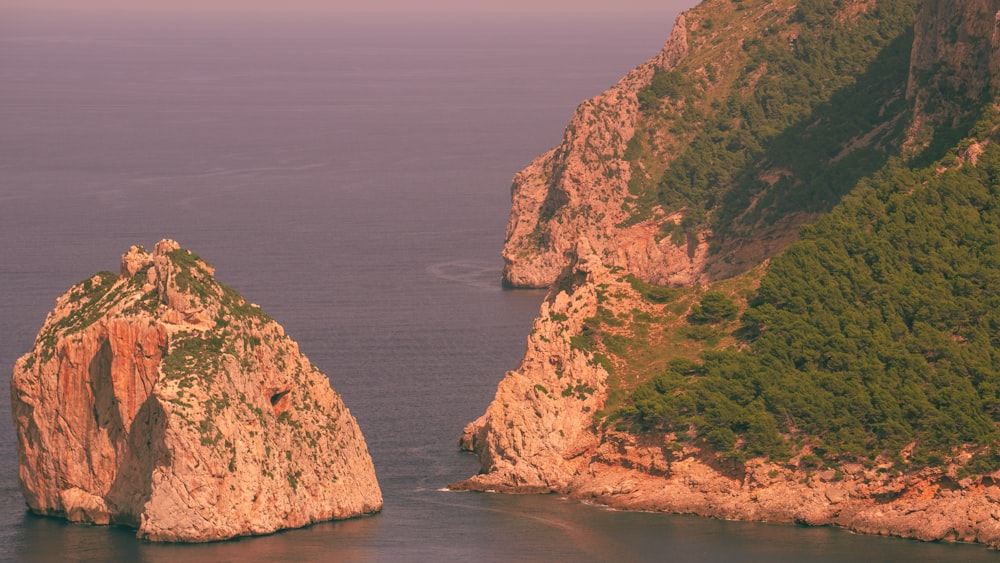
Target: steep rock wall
{"type": "Point", "coordinates": [577, 190]}
{"type": "Point", "coordinates": [566, 232]}
{"type": "Point", "coordinates": [954, 65]}
{"type": "Point", "coordinates": [533, 434]}
{"type": "Point", "coordinates": [162, 400]}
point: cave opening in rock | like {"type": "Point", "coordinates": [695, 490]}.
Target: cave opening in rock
{"type": "Point", "coordinates": [278, 397]}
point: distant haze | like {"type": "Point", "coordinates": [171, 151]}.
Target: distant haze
{"type": "Point", "coordinates": [358, 5]}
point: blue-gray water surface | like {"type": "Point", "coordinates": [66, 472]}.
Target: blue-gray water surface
{"type": "Point", "coordinates": [350, 174]}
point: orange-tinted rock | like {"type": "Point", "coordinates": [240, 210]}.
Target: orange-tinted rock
{"type": "Point", "coordinates": [160, 399]}
{"type": "Point", "coordinates": [579, 190]}
{"type": "Point", "coordinates": [539, 435]}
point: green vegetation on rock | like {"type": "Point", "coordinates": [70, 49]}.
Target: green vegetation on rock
{"type": "Point", "coordinates": [875, 334]}
{"type": "Point", "coordinates": [796, 120]}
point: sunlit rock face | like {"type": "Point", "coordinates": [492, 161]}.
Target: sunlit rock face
{"type": "Point", "coordinates": [160, 399]}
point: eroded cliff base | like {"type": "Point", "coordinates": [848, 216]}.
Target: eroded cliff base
{"type": "Point", "coordinates": [927, 506]}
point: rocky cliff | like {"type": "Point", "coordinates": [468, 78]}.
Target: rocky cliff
{"type": "Point", "coordinates": [160, 399]}
{"type": "Point", "coordinates": [954, 66]}
{"type": "Point", "coordinates": [535, 434]}
{"type": "Point", "coordinates": [597, 181]}
{"type": "Point", "coordinates": [603, 331]}
{"type": "Point", "coordinates": [579, 188]}
{"type": "Point", "coordinates": [543, 433]}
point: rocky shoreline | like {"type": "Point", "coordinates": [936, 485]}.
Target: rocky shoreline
{"type": "Point", "coordinates": [926, 506]}
{"type": "Point", "coordinates": [540, 435]}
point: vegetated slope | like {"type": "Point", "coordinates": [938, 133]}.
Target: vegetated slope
{"type": "Point", "coordinates": [875, 336]}
{"type": "Point", "coordinates": [772, 113]}
{"type": "Point", "coordinates": [804, 102]}
{"type": "Point", "coordinates": [828, 352]}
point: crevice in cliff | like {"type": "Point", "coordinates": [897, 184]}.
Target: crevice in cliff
{"type": "Point", "coordinates": [106, 413]}
{"type": "Point", "coordinates": [281, 401]}
{"type": "Point", "coordinates": [145, 450]}
{"type": "Point", "coordinates": [555, 199]}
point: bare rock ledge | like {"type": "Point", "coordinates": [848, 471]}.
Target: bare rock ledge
{"type": "Point", "coordinates": [160, 399]}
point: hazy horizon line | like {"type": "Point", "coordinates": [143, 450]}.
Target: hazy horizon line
{"type": "Point", "coordinates": [309, 10]}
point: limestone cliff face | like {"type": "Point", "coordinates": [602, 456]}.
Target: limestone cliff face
{"type": "Point", "coordinates": [581, 188]}
{"type": "Point", "coordinates": [578, 189]}
{"type": "Point", "coordinates": [955, 63]}
{"type": "Point", "coordinates": [162, 400]}
{"type": "Point", "coordinates": [535, 434]}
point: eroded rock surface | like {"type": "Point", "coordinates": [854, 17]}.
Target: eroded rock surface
{"type": "Point", "coordinates": [160, 399]}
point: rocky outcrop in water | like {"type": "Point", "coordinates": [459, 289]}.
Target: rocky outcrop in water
{"type": "Point", "coordinates": [160, 399]}
{"type": "Point", "coordinates": [532, 434]}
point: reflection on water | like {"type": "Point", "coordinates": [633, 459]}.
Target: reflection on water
{"type": "Point", "coordinates": [473, 273]}
{"type": "Point", "coordinates": [447, 526]}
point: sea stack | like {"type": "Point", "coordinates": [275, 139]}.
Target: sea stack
{"type": "Point", "coordinates": [160, 399]}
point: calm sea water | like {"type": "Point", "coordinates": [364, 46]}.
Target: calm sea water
{"type": "Point", "coordinates": [352, 176]}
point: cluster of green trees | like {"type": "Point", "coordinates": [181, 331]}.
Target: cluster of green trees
{"type": "Point", "coordinates": [878, 329]}
{"type": "Point", "coordinates": [801, 97]}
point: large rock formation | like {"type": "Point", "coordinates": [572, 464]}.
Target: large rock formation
{"type": "Point", "coordinates": [569, 230]}
{"type": "Point", "coordinates": [533, 435]}
{"type": "Point", "coordinates": [579, 188]}
{"type": "Point", "coordinates": [160, 399]}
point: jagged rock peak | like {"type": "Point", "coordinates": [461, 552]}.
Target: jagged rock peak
{"type": "Point", "coordinates": [555, 199]}
{"type": "Point", "coordinates": [161, 399]}
{"type": "Point", "coordinates": [676, 47]}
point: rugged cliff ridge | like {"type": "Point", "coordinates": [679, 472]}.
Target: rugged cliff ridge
{"type": "Point", "coordinates": [604, 335]}
{"type": "Point", "coordinates": [724, 91]}
{"type": "Point", "coordinates": [535, 434]}
{"type": "Point", "coordinates": [160, 399]}
{"type": "Point", "coordinates": [579, 188]}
